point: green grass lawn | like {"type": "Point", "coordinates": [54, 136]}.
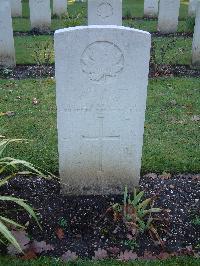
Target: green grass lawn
{"type": "Point", "coordinates": [170, 141]}
{"type": "Point", "coordinates": [173, 50]}
{"type": "Point", "coordinates": [134, 7]}
{"type": "Point", "coordinates": [23, 24]}
{"type": "Point", "coordinates": [168, 50]}
{"type": "Point", "coordinates": [184, 261]}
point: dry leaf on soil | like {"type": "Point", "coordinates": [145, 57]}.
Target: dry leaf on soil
{"type": "Point", "coordinates": [29, 255]}
{"type": "Point", "coordinates": [69, 256]}
{"type": "Point", "coordinates": [60, 233]}
{"type": "Point", "coordinates": [23, 240]}
{"type": "Point", "coordinates": [100, 254]}
{"type": "Point", "coordinates": [39, 247]}
{"type": "Point", "coordinates": [127, 255]}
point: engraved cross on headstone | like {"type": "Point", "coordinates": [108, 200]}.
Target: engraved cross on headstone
{"type": "Point", "coordinates": [101, 138]}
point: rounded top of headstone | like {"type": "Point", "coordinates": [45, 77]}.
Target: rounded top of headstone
{"type": "Point", "coordinates": [98, 27]}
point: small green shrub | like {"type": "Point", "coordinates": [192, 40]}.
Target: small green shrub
{"type": "Point", "coordinates": [131, 243]}
{"type": "Point", "coordinates": [75, 20]}
{"type": "Point", "coordinates": [43, 53]}
{"type": "Point", "coordinates": [137, 214]}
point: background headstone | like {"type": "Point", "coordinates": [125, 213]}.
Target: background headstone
{"type": "Point", "coordinates": [40, 14]}
{"type": "Point", "coordinates": [151, 8]}
{"type": "Point", "coordinates": [168, 16]}
{"type": "Point", "coordinates": [16, 8]}
{"type": "Point", "coordinates": [59, 7]}
{"type": "Point", "coordinates": [7, 50]}
{"type": "Point", "coordinates": [192, 8]}
{"type": "Point", "coordinates": [196, 38]}
{"type": "Point", "coordinates": [101, 12]}
{"type": "Point", "coordinates": [101, 99]}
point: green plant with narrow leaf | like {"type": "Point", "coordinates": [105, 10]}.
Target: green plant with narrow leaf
{"type": "Point", "coordinates": [137, 213]}
{"type": "Point", "coordinates": [9, 166]}
{"type": "Point", "coordinates": [8, 170]}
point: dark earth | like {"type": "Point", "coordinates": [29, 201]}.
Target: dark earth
{"type": "Point", "coordinates": [42, 71]}
{"type": "Point", "coordinates": [84, 224]}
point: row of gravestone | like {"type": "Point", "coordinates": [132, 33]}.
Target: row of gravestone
{"type": "Point", "coordinates": [100, 13]}
{"type": "Point", "coordinates": [151, 8]}
{"type": "Point", "coordinates": [59, 6]}
{"type": "Point", "coordinates": [108, 12]}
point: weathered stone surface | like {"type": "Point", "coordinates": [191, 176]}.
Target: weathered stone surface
{"type": "Point", "coordinates": [16, 8]}
{"type": "Point", "coordinates": [101, 100]}
{"type": "Point", "coordinates": [151, 8]}
{"type": "Point", "coordinates": [192, 8]}
{"type": "Point", "coordinates": [196, 38]}
{"type": "Point", "coordinates": [59, 7]}
{"type": "Point", "coordinates": [40, 14]}
{"type": "Point", "coordinates": [7, 50]}
{"type": "Point", "coordinates": [105, 12]}
{"type": "Point", "coordinates": [168, 16]}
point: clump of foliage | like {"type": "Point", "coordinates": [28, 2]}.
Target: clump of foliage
{"type": "Point", "coordinates": [9, 166]}
{"type": "Point", "coordinates": [8, 170]}
{"type": "Point", "coordinates": [131, 243]}
{"type": "Point", "coordinates": [137, 214]}
{"type": "Point", "coordinates": [189, 24]}
{"type": "Point", "coordinates": [74, 20]}
{"type": "Point", "coordinates": [5, 72]}
{"type": "Point", "coordinates": [196, 221]}
{"type": "Point", "coordinates": [43, 53]}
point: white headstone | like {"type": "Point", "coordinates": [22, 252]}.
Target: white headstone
{"type": "Point", "coordinates": [151, 8]}
{"type": "Point", "coordinates": [16, 8]}
{"type": "Point", "coordinates": [105, 12]}
{"type": "Point", "coordinates": [59, 7]}
{"type": "Point", "coordinates": [196, 38]}
{"type": "Point", "coordinates": [192, 8]}
{"type": "Point", "coordinates": [168, 16]}
{"type": "Point", "coordinates": [7, 49]}
{"type": "Point", "coordinates": [40, 14]}
{"type": "Point", "coordinates": [101, 100]}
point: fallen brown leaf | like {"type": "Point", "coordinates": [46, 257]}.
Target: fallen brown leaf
{"type": "Point", "coordinates": [30, 255]}
{"type": "Point", "coordinates": [22, 238]}
{"type": "Point", "coordinates": [148, 256]}
{"type": "Point", "coordinates": [60, 233]}
{"type": "Point", "coordinates": [100, 254]}
{"type": "Point", "coordinates": [69, 256]}
{"type": "Point", "coordinates": [39, 247]}
{"type": "Point", "coordinates": [127, 255]}
{"type": "Point", "coordinates": [165, 176]}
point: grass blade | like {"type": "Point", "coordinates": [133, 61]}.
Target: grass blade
{"type": "Point", "coordinates": [8, 235]}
